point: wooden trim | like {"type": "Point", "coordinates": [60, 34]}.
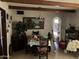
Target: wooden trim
{"type": "Point", "coordinates": [43, 2]}
{"type": "Point", "coordinates": [39, 9]}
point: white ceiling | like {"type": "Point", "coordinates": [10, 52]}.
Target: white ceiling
{"type": "Point", "coordinates": [68, 1]}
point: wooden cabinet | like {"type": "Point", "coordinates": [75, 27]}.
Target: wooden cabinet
{"type": "Point", "coordinates": [71, 34]}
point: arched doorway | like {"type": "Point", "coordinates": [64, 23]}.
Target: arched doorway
{"type": "Point", "coordinates": [57, 31]}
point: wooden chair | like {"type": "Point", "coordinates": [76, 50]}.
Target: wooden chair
{"type": "Point", "coordinates": [43, 48]}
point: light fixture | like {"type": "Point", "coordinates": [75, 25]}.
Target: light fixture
{"type": "Point", "coordinates": [56, 20]}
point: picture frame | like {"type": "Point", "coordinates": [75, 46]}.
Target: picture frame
{"type": "Point", "coordinates": [34, 22]}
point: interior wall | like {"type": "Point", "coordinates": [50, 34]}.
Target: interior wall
{"type": "Point", "coordinates": [28, 13]}
{"type": "Point", "coordinates": [67, 18]}
{"type": "Point", "coordinates": [77, 19]}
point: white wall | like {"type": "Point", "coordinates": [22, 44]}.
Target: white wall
{"type": "Point", "coordinates": [47, 23]}
{"type": "Point", "coordinates": [77, 19]}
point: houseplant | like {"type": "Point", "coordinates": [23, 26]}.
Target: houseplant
{"type": "Point", "coordinates": [19, 36]}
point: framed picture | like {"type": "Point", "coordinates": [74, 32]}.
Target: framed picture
{"type": "Point", "coordinates": [34, 22]}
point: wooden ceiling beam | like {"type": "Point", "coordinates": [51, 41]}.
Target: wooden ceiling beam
{"type": "Point", "coordinates": [38, 9]}
{"type": "Point", "coordinates": [43, 2]}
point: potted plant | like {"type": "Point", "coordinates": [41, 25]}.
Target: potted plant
{"type": "Point", "coordinates": [19, 36]}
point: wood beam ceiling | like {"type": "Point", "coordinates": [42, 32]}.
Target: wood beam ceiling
{"type": "Point", "coordinates": [43, 2]}
{"type": "Point", "coordinates": [38, 9]}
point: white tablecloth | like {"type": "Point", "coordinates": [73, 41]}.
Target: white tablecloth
{"type": "Point", "coordinates": [33, 42]}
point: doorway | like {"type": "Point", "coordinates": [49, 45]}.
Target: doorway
{"type": "Point", "coordinates": [3, 38]}
{"type": "Point", "coordinates": [57, 31]}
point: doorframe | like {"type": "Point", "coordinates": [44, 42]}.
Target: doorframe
{"type": "Point", "coordinates": [4, 34]}
{"type": "Point", "coordinates": [59, 36]}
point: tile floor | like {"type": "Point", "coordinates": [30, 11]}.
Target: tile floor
{"type": "Point", "coordinates": [57, 55]}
